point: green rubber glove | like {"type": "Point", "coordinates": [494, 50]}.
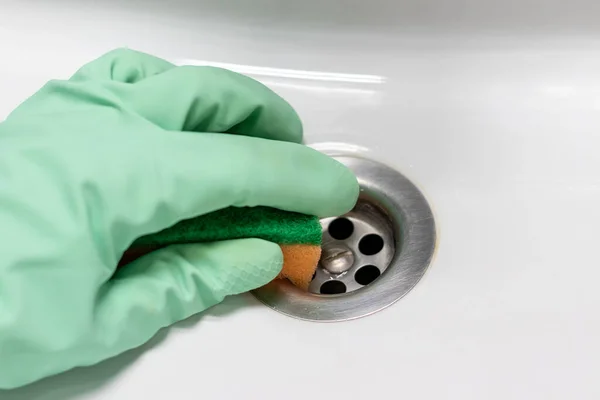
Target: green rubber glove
{"type": "Point", "coordinates": [119, 151]}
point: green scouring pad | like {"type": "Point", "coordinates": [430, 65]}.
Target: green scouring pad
{"type": "Point", "coordinates": [298, 235]}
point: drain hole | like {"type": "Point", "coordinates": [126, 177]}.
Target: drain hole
{"type": "Point", "coordinates": [341, 229]}
{"type": "Point", "coordinates": [367, 274]}
{"type": "Point", "coordinates": [370, 244]}
{"type": "Point", "coordinates": [371, 257]}
{"type": "Point", "coordinates": [333, 287]}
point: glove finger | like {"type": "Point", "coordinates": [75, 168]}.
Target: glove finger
{"type": "Point", "coordinates": [207, 99]}
{"type": "Point", "coordinates": [174, 283]}
{"type": "Point", "coordinates": [122, 65]}
{"type": "Point", "coordinates": [187, 175]}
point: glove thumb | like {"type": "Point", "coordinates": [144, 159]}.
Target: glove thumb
{"type": "Point", "coordinates": [176, 282]}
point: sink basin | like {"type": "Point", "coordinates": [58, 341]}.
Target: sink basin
{"type": "Point", "coordinates": [492, 108]}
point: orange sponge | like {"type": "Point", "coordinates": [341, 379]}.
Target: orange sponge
{"type": "Point", "coordinates": [300, 263]}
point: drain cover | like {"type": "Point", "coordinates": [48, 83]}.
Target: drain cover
{"type": "Point", "coordinates": [371, 256]}
{"type": "Point", "coordinates": [357, 248]}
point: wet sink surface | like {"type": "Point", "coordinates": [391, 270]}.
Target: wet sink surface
{"type": "Point", "coordinates": [491, 108]}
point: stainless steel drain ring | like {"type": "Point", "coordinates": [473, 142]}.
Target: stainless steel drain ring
{"type": "Point", "coordinates": [412, 227]}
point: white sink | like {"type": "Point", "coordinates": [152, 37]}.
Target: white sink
{"type": "Point", "coordinates": [491, 107]}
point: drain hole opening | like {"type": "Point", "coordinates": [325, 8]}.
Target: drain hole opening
{"type": "Point", "coordinates": [341, 228]}
{"type": "Point", "coordinates": [333, 287]}
{"type": "Point", "coordinates": [367, 274]}
{"type": "Point", "coordinates": [370, 244]}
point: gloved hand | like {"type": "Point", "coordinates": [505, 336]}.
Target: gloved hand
{"type": "Point", "coordinates": [121, 150]}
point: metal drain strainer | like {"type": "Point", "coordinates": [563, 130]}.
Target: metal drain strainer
{"type": "Point", "coordinates": [357, 248]}
{"type": "Point", "coordinates": [371, 257]}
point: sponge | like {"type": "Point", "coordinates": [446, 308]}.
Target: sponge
{"type": "Point", "coordinates": [298, 235]}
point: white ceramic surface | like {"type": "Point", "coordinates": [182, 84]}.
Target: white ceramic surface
{"type": "Point", "coordinates": [492, 107]}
